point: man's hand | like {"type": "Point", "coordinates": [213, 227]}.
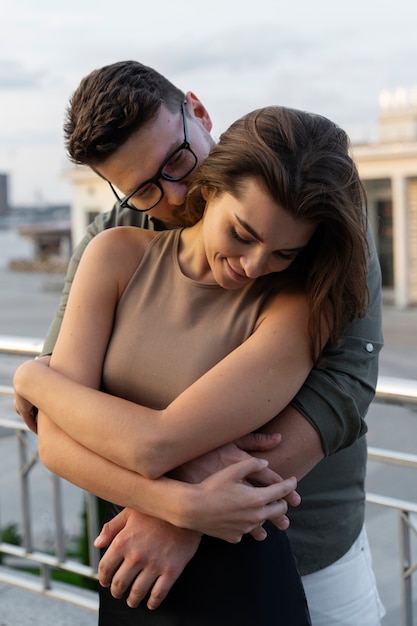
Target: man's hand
{"type": "Point", "coordinates": [145, 554]}
{"type": "Point", "coordinates": [25, 409]}
{"type": "Point", "coordinates": [198, 469]}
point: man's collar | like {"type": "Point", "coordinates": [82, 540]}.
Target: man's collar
{"type": "Point", "coordinates": [158, 225]}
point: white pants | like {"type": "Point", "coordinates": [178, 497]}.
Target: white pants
{"type": "Point", "coordinates": [345, 593]}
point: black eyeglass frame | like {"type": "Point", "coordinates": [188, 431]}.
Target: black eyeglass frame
{"type": "Point", "coordinates": [124, 202]}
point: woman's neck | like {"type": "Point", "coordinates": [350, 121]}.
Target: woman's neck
{"type": "Point", "coordinates": [192, 256]}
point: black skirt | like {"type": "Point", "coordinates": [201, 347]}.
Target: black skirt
{"type": "Point", "coordinates": [252, 583]}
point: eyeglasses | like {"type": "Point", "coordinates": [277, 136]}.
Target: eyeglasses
{"type": "Point", "coordinates": [179, 164]}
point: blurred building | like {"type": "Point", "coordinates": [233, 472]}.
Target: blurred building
{"type": "Point", "coordinates": [48, 231]}
{"type": "Point", "coordinates": [388, 168]}
{"type": "Point", "coordinates": [91, 195]}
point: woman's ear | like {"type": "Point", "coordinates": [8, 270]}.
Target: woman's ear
{"type": "Point", "coordinates": [206, 192]}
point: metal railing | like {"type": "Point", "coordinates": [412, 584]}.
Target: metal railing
{"type": "Point", "coordinates": [399, 392]}
{"type": "Point", "coordinates": [26, 554]}
{"type": "Point", "coordinates": [395, 391]}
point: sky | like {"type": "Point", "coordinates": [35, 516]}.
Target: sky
{"type": "Point", "coordinates": [334, 57]}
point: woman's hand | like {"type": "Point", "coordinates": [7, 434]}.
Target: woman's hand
{"type": "Point", "coordinates": [199, 469]}
{"type": "Point", "coordinates": [227, 506]}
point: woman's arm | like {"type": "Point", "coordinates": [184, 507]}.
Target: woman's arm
{"type": "Point", "coordinates": [223, 505]}
{"type": "Point", "coordinates": [242, 386]}
{"type": "Point", "coordinates": [79, 354]}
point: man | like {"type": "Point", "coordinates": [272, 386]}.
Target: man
{"type": "Point", "coordinates": [123, 122]}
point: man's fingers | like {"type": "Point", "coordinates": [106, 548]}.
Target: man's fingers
{"type": "Point", "coordinates": [160, 590]}
{"type": "Point", "coordinates": [110, 530]}
{"type": "Point", "coordinates": [281, 522]}
{"type": "Point", "coordinates": [293, 498]}
{"type": "Point", "coordinates": [107, 568]}
{"type": "Point", "coordinates": [259, 533]}
{"type": "Point", "coordinates": [27, 412]}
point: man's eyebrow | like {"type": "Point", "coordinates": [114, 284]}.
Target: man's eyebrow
{"type": "Point", "coordinates": [254, 234]}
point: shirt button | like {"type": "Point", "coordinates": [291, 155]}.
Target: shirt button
{"type": "Point", "coordinates": [369, 347]}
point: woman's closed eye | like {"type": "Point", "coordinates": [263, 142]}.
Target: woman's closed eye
{"type": "Point", "coordinates": [283, 256]}
{"type": "Point", "coordinates": [286, 256]}
{"type": "Point", "coordinates": [238, 238]}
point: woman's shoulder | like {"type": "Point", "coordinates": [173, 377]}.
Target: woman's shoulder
{"type": "Point", "coordinates": [125, 236]}
{"type": "Point", "coordinates": [121, 241]}
{"type": "Point", "coordinates": [119, 250]}
{"type": "Point", "coordinates": [284, 303]}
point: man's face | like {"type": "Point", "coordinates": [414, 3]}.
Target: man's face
{"type": "Point", "coordinates": [141, 156]}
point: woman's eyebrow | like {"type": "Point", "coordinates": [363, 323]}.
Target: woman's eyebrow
{"type": "Point", "coordinates": [249, 228]}
{"type": "Point", "coordinates": [254, 234]}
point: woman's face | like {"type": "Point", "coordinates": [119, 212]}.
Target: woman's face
{"type": "Point", "coordinates": [251, 236]}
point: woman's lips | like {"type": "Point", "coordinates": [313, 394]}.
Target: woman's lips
{"type": "Point", "coordinates": [235, 275]}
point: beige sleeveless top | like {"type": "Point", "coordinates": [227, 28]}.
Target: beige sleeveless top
{"type": "Point", "coordinates": [170, 329]}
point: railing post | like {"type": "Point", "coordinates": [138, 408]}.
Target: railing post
{"type": "Point", "coordinates": [406, 568]}
{"type": "Point", "coordinates": [46, 576]}
{"type": "Point", "coordinates": [25, 465]}
{"type": "Point", "coordinates": [59, 526]}
{"type": "Point", "coordinates": [92, 529]}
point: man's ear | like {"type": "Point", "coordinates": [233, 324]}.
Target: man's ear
{"type": "Point", "coordinates": [197, 108]}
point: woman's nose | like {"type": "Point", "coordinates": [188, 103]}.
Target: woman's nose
{"type": "Point", "coordinates": [254, 265]}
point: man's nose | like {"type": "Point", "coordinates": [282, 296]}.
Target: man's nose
{"type": "Point", "coordinates": [174, 192]}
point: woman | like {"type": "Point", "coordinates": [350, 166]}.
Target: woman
{"type": "Point", "coordinates": [193, 328]}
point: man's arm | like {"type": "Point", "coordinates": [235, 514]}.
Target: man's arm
{"type": "Point", "coordinates": [336, 396]}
